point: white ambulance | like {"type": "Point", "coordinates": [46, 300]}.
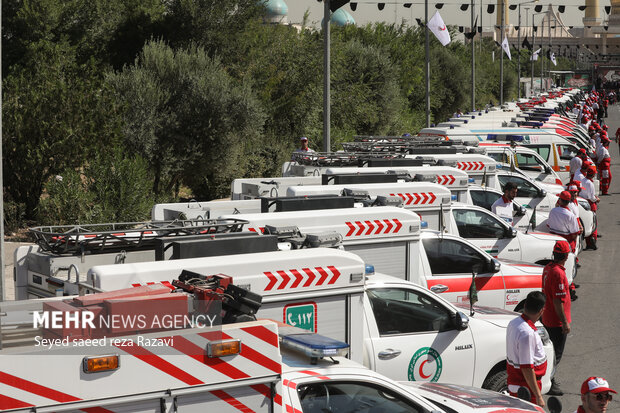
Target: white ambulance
{"type": "Point", "coordinates": [190, 366]}
{"type": "Point", "coordinates": [392, 326]}
{"type": "Point", "coordinates": [390, 239]}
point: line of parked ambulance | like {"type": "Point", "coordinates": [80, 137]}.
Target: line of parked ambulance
{"type": "Point", "coordinates": [414, 210]}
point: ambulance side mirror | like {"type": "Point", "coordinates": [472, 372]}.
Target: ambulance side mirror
{"type": "Point", "coordinates": [522, 211]}
{"type": "Point", "coordinates": [510, 233]}
{"type": "Point", "coordinates": [494, 265]}
{"type": "Point", "coordinates": [542, 193]}
{"type": "Point", "coordinates": [547, 170]}
{"type": "Point", "coordinates": [461, 321]}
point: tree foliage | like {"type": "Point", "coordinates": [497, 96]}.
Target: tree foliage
{"type": "Point", "coordinates": [204, 92]}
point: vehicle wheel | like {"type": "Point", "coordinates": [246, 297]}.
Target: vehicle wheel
{"type": "Point", "coordinates": [497, 382]}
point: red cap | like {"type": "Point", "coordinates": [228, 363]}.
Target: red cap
{"type": "Point", "coordinates": [596, 385]}
{"type": "Point", "coordinates": [586, 164]}
{"type": "Point", "coordinates": [582, 151]}
{"type": "Point", "coordinates": [591, 170]}
{"type": "Point", "coordinates": [561, 247]}
{"type": "Point", "coordinates": [565, 195]}
{"type": "Point", "coordinates": [605, 127]}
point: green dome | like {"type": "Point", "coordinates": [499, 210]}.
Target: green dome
{"type": "Point", "coordinates": [276, 8]}
{"type": "Point", "coordinates": [341, 17]}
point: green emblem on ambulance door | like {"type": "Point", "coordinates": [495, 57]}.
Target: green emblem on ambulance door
{"type": "Point", "coordinates": [425, 365]}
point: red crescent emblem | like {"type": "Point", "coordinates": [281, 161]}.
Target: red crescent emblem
{"type": "Point", "coordinates": [421, 371]}
{"type": "Point", "coordinates": [443, 28]}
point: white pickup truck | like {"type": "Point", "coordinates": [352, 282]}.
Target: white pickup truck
{"type": "Point", "coordinates": [393, 326]}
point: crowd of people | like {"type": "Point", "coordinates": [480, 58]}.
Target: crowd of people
{"type": "Point", "coordinates": [527, 361]}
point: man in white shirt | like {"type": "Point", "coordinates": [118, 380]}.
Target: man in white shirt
{"type": "Point", "coordinates": [504, 207]}
{"type": "Point", "coordinates": [526, 361]}
{"type": "Point", "coordinates": [575, 163]}
{"type": "Point", "coordinates": [304, 148]}
{"type": "Point", "coordinates": [563, 222]}
{"type": "Point", "coordinates": [588, 192]}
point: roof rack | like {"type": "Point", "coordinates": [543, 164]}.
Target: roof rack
{"type": "Point", "coordinates": [340, 158]}
{"type": "Point", "coordinates": [103, 237]}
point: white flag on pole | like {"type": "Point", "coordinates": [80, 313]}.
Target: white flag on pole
{"type": "Point", "coordinates": [552, 57]}
{"type": "Point", "coordinates": [535, 55]}
{"type": "Point", "coordinates": [438, 27]}
{"type": "Point", "coordinates": [506, 47]}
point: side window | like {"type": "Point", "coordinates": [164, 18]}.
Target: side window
{"type": "Point", "coordinates": [348, 397]}
{"type": "Point", "coordinates": [543, 151]}
{"type": "Point", "coordinates": [484, 199]}
{"type": "Point", "coordinates": [499, 157]}
{"type": "Point", "coordinates": [566, 151]}
{"type": "Point", "coordinates": [529, 162]}
{"type": "Point", "coordinates": [477, 224]}
{"type": "Point", "coordinates": [526, 188]}
{"type": "Point", "coordinates": [447, 256]}
{"type": "Point", "coordinates": [400, 311]}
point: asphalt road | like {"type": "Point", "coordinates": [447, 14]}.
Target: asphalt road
{"type": "Point", "coordinates": [593, 345]}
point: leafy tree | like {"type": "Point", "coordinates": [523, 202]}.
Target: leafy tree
{"type": "Point", "coordinates": [187, 118]}
{"type": "Point", "coordinates": [57, 114]}
{"type": "Point", "coordinates": [112, 188]}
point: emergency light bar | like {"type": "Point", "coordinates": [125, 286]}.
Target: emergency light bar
{"type": "Point", "coordinates": [471, 180]}
{"type": "Point", "coordinates": [315, 346]}
{"type": "Point", "coordinates": [425, 178]}
{"type": "Point", "coordinates": [395, 201]}
{"type": "Point", "coordinates": [423, 224]}
{"type": "Point", "coordinates": [453, 197]}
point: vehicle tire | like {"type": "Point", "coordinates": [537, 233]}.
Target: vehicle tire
{"type": "Point", "coordinates": [497, 382]}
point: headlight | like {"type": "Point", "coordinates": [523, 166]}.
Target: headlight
{"type": "Point", "coordinates": [544, 335]}
{"type": "Point", "coordinates": [585, 204]}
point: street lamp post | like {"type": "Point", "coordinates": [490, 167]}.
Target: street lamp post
{"type": "Point", "coordinates": [326, 77]}
{"type": "Point", "coordinates": [501, 57]}
{"type": "Point", "coordinates": [519, 45]}
{"type": "Point", "coordinates": [473, 60]}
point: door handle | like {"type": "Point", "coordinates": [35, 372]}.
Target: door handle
{"type": "Point", "coordinates": [439, 288]}
{"type": "Point", "coordinates": [388, 354]}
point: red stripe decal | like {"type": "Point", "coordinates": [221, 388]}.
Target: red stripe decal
{"type": "Point", "coordinates": [285, 279]}
{"type": "Point", "coordinates": [370, 227]}
{"type": "Point", "coordinates": [37, 389]}
{"type": "Point", "coordinates": [288, 383]}
{"type": "Point", "coordinates": [351, 229]}
{"type": "Point", "coordinates": [263, 333]}
{"type": "Point", "coordinates": [323, 275]}
{"type": "Point", "coordinates": [258, 357]}
{"type": "Point", "coordinates": [7, 403]}
{"type": "Point", "coordinates": [311, 276]}
{"type": "Point", "coordinates": [272, 280]}
{"type": "Point", "coordinates": [335, 272]}
{"type": "Point", "coordinates": [135, 285]}
{"type": "Point", "coordinates": [389, 226]}
{"type": "Point", "coordinates": [232, 401]}
{"type": "Point", "coordinates": [199, 354]}
{"type": "Point", "coordinates": [361, 228]}
{"type": "Point", "coordinates": [96, 410]}
{"type": "Point", "coordinates": [398, 225]}
{"type": "Point", "coordinates": [523, 281]}
{"type": "Point", "coordinates": [298, 278]}
{"type": "Point", "coordinates": [379, 226]}
{"type": "Point", "coordinates": [160, 364]}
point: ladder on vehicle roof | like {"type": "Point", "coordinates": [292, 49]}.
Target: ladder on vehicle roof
{"type": "Point", "coordinates": [340, 158]}
{"type": "Point", "coordinates": [64, 239]}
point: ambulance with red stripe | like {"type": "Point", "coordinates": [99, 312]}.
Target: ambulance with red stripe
{"type": "Point", "coordinates": [390, 239]}
{"type": "Point", "coordinates": [187, 366]}
{"type": "Point", "coordinates": [393, 326]}
{"type": "Point", "coordinates": [431, 202]}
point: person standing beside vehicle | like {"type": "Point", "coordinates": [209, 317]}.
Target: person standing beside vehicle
{"type": "Point", "coordinates": [525, 355]}
{"type": "Point", "coordinates": [563, 222]}
{"type": "Point", "coordinates": [503, 206]}
{"type": "Point", "coordinates": [604, 165]}
{"type": "Point", "coordinates": [576, 162]}
{"type": "Point", "coordinates": [588, 192]}
{"type": "Point", "coordinates": [556, 316]}
{"type": "Point", "coordinates": [595, 395]}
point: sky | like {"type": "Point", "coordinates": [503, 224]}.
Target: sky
{"type": "Point", "coordinates": [394, 12]}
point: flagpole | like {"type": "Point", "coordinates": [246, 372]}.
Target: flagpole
{"type": "Point", "coordinates": [428, 66]}
{"type": "Point", "coordinates": [326, 77]}
{"type": "Point", "coordinates": [501, 58]}
{"type": "Point", "coordinates": [532, 54]}
{"type": "Point", "coordinates": [549, 25]}
{"type": "Point", "coordinates": [473, 60]}
{"type": "Point", "coordinates": [519, 55]}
